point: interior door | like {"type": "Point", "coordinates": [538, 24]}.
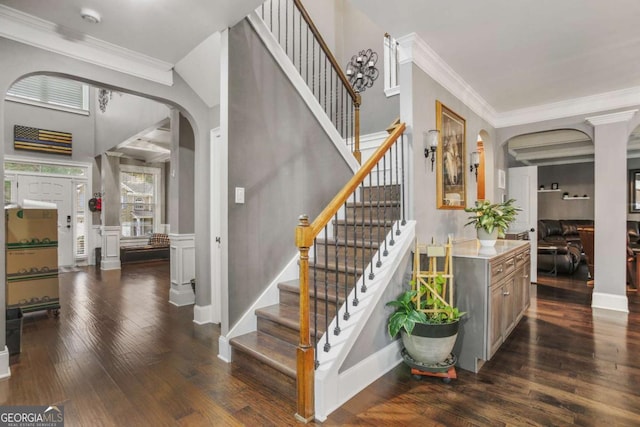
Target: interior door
{"type": "Point", "coordinates": [523, 186]}
{"type": "Point", "coordinates": [58, 191]}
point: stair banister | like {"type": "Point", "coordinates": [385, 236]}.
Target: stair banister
{"type": "Point", "coordinates": [304, 238]}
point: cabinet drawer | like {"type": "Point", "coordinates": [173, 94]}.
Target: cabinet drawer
{"type": "Point", "coordinates": [522, 258]}
{"type": "Point", "coordinates": [501, 267]}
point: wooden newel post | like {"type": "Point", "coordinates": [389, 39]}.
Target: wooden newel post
{"type": "Point", "coordinates": [305, 355]}
{"type": "Point", "coordinates": [356, 149]}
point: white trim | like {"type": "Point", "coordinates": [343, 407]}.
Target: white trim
{"type": "Point", "coordinates": [332, 387]}
{"type": "Point", "coordinates": [413, 48]}
{"type": "Point", "coordinates": [5, 370]}
{"type": "Point", "coordinates": [28, 29]}
{"type": "Point", "coordinates": [40, 104]}
{"type": "Point", "coordinates": [392, 91]}
{"type": "Point", "coordinates": [357, 378]}
{"type": "Point", "coordinates": [182, 261]}
{"type": "Point", "coordinates": [605, 119]}
{"type": "Point", "coordinates": [270, 296]}
{"type": "Point", "coordinates": [203, 314]}
{"type": "Point", "coordinates": [224, 349]}
{"type": "Point", "coordinates": [610, 302]}
{"type": "Point", "coordinates": [623, 98]}
{"type": "Point", "coordinates": [298, 82]}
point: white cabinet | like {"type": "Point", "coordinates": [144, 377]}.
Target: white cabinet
{"type": "Point", "coordinates": [493, 288]}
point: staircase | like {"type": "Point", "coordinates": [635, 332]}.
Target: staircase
{"type": "Point", "coordinates": [332, 275]}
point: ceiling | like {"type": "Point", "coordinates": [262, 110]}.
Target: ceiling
{"type": "Point", "coordinates": [519, 54]}
{"type": "Point", "coordinates": [515, 55]}
{"type": "Point", "coordinates": [150, 145]}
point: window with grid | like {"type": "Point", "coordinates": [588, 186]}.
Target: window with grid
{"type": "Point", "coordinates": [139, 214]}
{"type": "Point", "coordinates": [52, 92]}
{"type": "Point", "coordinates": [391, 66]}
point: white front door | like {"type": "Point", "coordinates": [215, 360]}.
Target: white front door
{"type": "Point", "coordinates": [58, 191]}
{"type": "Point", "coordinates": [523, 186]}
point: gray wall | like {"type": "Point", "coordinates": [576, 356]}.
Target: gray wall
{"type": "Point", "coordinates": [187, 177]}
{"type": "Point", "coordinates": [283, 159]}
{"type": "Point", "coordinates": [360, 33]}
{"type": "Point", "coordinates": [374, 336]}
{"type": "Point", "coordinates": [572, 178]}
{"type": "Point", "coordinates": [418, 109]}
{"type": "Point", "coordinates": [80, 126]}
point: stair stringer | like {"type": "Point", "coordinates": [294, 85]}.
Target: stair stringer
{"type": "Point", "coordinates": [301, 87]}
{"type": "Point", "coordinates": [332, 387]}
{"type": "Point", "coordinates": [248, 321]}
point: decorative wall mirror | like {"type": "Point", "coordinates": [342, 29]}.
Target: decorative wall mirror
{"type": "Point", "coordinates": [634, 190]}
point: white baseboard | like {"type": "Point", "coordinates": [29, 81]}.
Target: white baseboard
{"type": "Point", "coordinates": [5, 370]}
{"type": "Point", "coordinates": [224, 349]}
{"type": "Point", "coordinates": [110, 264]}
{"type": "Point", "coordinates": [203, 314]}
{"type": "Point", "coordinates": [181, 298]}
{"type": "Point", "coordinates": [610, 302]}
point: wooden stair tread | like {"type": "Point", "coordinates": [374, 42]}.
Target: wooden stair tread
{"type": "Point", "coordinates": [350, 242]}
{"type": "Point", "coordinates": [373, 203]}
{"type": "Point", "coordinates": [294, 287]}
{"type": "Point", "coordinates": [366, 222]}
{"type": "Point", "coordinates": [289, 316]}
{"type": "Point", "coordinates": [271, 351]}
{"type": "Point", "coordinates": [331, 266]}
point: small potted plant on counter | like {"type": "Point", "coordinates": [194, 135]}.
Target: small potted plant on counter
{"type": "Point", "coordinates": [491, 219]}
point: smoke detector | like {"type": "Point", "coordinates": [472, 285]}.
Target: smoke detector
{"type": "Point", "coordinates": [90, 15]}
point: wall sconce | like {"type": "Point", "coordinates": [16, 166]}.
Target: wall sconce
{"type": "Point", "coordinates": [430, 140]}
{"type": "Point", "coordinates": [475, 162]}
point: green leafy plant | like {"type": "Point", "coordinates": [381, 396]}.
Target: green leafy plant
{"type": "Point", "coordinates": [490, 216]}
{"type": "Point", "coordinates": [423, 305]}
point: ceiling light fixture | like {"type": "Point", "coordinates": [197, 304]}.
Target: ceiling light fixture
{"type": "Point", "coordinates": [90, 15]}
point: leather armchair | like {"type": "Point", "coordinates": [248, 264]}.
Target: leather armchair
{"type": "Point", "coordinates": [555, 253]}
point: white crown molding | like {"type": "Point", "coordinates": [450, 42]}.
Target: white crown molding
{"type": "Point", "coordinates": [623, 98]}
{"type": "Point", "coordinates": [413, 48]}
{"type": "Point", "coordinates": [605, 119]}
{"type": "Point", "coordinates": [28, 29]}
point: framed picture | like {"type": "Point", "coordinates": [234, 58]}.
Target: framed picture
{"type": "Point", "coordinates": [554, 186]}
{"type": "Point", "coordinates": [502, 179]}
{"type": "Point", "coordinates": [451, 157]}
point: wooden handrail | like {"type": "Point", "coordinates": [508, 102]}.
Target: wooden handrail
{"type": "Point", "coordinates": [332, 208]}
{"type": "Point", "coordinates": [354, 96]}
{"type": "Point", "coordinates": [305, 235]}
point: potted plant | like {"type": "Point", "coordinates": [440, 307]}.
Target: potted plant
{"type": "Point", "coordinates": [426, 319]}
{"type": "Point", "coordinates": [491, 219]}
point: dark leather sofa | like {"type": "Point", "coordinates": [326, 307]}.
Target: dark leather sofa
{"type": "Point", "coordinates": [563, 236]}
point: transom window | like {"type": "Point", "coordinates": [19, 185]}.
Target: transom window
{"type": "Point", "coordinates": [51, 92]}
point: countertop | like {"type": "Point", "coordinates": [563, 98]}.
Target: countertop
{"type": "Point", "coordinates": [472, 248]}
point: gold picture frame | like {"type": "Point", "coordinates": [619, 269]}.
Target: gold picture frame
{"type": "Point", "coordinates": [451, 157]}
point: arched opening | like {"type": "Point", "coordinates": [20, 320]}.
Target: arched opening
{"type": "Point", "coordinates": [134, 136]}
{"type": "Point", "coordinates": [564, 162]}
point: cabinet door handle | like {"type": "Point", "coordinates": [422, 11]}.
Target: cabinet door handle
{"type": "Point", "coordinates": [519, 257]}
{"type": "Point", "coordinates": [526, 276]}
{"type": "Point", "coordinates": [506, 293]}
{"type": "Point", "coordinates": [499, 270]}
{"type": "Point", "coordinates": [510, 262]}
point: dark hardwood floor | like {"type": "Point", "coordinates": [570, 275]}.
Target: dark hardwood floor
{"type": "Point", "coordinates": [120, 355]}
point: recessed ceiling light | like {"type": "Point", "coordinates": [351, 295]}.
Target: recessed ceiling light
{"type": "Point", "coordinates": [90, 15]}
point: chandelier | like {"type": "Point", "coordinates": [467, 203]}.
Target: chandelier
{"type": "Point", "coordinates": [104, 95]}
{"type": "Point", "coordinates": [362, 71]}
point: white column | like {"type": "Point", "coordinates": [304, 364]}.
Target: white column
{"type": "Point", "coordinates": [110, 247]}
{"type": "Point", "coordinates": [183, 268]}
{"type": "Point", "coordinates": [611, 134]}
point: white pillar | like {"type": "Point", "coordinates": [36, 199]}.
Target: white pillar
{"type": "Point", "coordinates": [611, 134]}
{"type": "Point", "coordinates": [110, 247]}
{"type": "Point", "coordinates": [183, 268]}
